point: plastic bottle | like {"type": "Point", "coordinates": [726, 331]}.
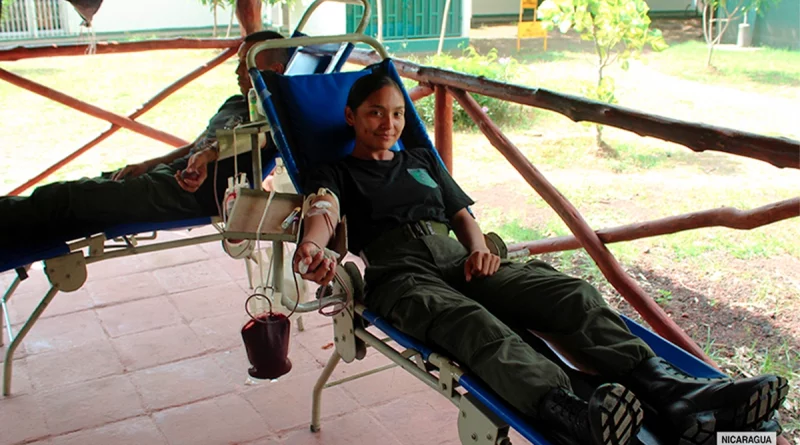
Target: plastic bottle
{"type": "Point", "coordinates": [282, 182]}
{"type": "Point", "coordinates": [256, 111]}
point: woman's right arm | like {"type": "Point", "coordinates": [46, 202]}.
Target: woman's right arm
{"type": "Point", "coordinates": [320, 224]}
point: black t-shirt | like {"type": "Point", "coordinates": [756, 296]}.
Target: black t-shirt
{"type": "Point", "coordinates": [377, 196]}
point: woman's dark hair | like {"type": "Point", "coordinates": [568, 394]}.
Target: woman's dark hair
{"type": "Point", "coordinates": [367, 85]}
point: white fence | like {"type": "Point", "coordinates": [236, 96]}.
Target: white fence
{"type": "Point", "coordinates": [34, 19]}
{"type": "Point", "coordinates": [54, 19]}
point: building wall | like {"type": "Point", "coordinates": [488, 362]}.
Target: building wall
{"type": "Point", "coordinates": [139, 15]}
{"type": "Point", "coordinates": [494, 7]}
{"type": "Point", "coordinates": [666, 6]}
{"type": "Point", "coordinates": [328, 19]}
{"type": "Point", "coordinates": [488, 8]}
{"type": "Point", "coordinates": [779, 27]}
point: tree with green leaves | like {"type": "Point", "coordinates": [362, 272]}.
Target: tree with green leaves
{"type": "Point", "coordinates": [719, 14]}
{"type": "Point", "coordinates": [5, 5]}
{"type": "Point", "coordinates": [620, 29]}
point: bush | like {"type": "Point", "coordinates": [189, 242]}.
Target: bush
{"type": "Point", "coordinates": [504, 69]}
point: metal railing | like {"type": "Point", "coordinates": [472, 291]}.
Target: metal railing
{"type": "Point", "coordinates": [34, 19]}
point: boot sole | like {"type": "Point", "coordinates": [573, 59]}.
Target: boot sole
{"type": "Point", "coordinates": [620, 415]}
{"type": "Point", "coordinates": [701, 428]}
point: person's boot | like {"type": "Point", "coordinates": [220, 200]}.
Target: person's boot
{"type": "Point", "coordinates": [612, 416]}
{"type": "Point", "coordinates": [699, 407]}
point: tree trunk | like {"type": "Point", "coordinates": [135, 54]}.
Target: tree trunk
{"type": "Point", "coordinates": [249, 14]}
{"type": "Point", "coordinates": [214, 7]}
{"type": "Point", "coordinates": [708, 30]}
{"type": "Point", "coordinates": [603, 148]}
{"type": "Point", "coordinates": [230, 21]}
{"type": "Point", "coordinates": [710, 53]}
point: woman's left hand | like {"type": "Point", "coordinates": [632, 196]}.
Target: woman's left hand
{"type": "Point", "coordinates": [481, 263]}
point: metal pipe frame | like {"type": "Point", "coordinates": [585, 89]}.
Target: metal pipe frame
{"type": "Point", "coordinates": [403, 360]}
{"type": "Point", "coordinates": [17, 339]}
{"type": "Point", "coordinates": [316, 395]}
{"type": "Point", "coordinates": [316, 40]}
{"type": "Point", "coordinates": [4, 306]}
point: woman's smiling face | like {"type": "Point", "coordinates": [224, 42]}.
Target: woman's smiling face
{"type": "Point", "coordinates": [378, 121]}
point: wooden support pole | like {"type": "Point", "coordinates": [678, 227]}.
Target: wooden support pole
{"type": "Point", "coordinates": [625, 285]}
{"type": "Point", "coordinates": [722, 217]}
{"type": "Point", "coordinates": [248, 12]}
{"type": "Point", "coordinates": [30, 52]}
{"type": "Point", "coordinates": [419, 91]}
{"type": "Point", "coordinates": [443, 125]}
{"type": "Point", "coordinates": [147, 106]}
{"type": "Point", "coordinates": [91, 110]}
{"type": "Point", "coordinates": [778, 151]}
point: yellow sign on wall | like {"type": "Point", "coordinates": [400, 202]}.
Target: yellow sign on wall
{"type": "Point", "coordinates": [532, 28]}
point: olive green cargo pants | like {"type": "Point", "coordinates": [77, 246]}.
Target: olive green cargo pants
{"type": "Point", "coordinates": [70, 209]}
{"type": "Point", "coordinates": [421, 288]}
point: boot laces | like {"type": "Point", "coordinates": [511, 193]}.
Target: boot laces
{"type": "Point", "coordinates": [576, 411]}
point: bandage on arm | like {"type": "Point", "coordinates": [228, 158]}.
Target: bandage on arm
{"type": "Point", "coordinates": [321, 216]}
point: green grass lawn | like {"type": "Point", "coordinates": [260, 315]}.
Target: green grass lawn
{"type": "Point", "coordinates": [761, 68]}
{"type": "Point", "coordinates": [37, 132]}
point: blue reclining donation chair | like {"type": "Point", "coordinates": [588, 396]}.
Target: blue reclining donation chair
{"type": "Point", "coordinates": [305, 109]}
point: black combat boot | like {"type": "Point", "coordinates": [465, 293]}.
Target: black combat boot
{"type": "Point", "coordinates": [612, 416]}
{"type": "Point", "coordinates": [698, 407]}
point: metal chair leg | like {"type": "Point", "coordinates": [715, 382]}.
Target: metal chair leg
{"type": "Point", "coordinates": [316, 397]}
{"type": "Point", "coordinates": [17, 339]}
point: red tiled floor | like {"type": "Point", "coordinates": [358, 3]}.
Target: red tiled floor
{"type": "Point", "coordinates": [173, 257]}
{"type": "Point", "coordinates": [158, 346]}
{"type": "Point", "coordinates": [191, 276]}
{"type": "Point", "coordinates": [116, 268]}
{"type": "Point", "coordinates": [235, 268]}
{"type": "Point", "coordinates": [135, 431]}
{"type": "Point", "coordinates": [235, 364]}
{"type": "Point", "coordinates": [124, 288]}
{"type": "Point", "coordinates": [213, 301]}
{"type": "Point", "coordinates": [22, 419]}
{"type": "Point", "coordinates": [222, 420]}
{"type": "Point", "coordinates": [181, 383]}
{"type": "Point", "coordinates": [382, 387]}
{"type": "Point", "coordinates": [20, 376]}
{"type": "Point", "coordinates": [138, 316]}
{"type": "Point", "coordinates": [220, 333]}
{"type": "Point", "coordinates": [64, 332]}
{"type": "Point", "coordinates": [413, 420]}
{"type": "Point", "coordinates": [89, 404]}
{"type": "Point", "coordinates": [157, 375]}
{"type": "Point", "coordinates": [21, 305]}
{"type": "Point", "coordinates": [286, 404]}
{"type": "Point", "coordinates": [357, 428]}
{"type": "Point", "coordinates": [86, 362]}
{"type": "Point", "coordinates": [318, 341]}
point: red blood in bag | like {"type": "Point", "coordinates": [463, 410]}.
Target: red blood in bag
{"type": "Point", "coordinates": [266, 341]}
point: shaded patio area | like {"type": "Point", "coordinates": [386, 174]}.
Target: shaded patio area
{"type": "Point", "coordinates": [149, 352]}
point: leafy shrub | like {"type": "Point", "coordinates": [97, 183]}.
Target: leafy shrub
{"type": "Point", "coordinates": [504, 69]}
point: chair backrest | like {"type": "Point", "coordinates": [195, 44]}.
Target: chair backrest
{"type": "Point", "coordinates": [307, 117]}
